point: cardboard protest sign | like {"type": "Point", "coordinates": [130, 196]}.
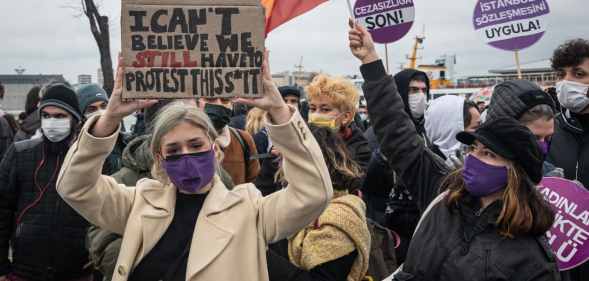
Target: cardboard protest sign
{"type": "Point", "coordinates": [511, 25]}
{"type": "Point", "coordinates": [387, 20]}
{"type": "Point", "coordinates": [192, 48]}
{"type": "Point", "coordinates": [569, 234]}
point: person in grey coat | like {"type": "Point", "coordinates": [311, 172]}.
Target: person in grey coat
{"type": "Point", "coordinates": [534, 108]}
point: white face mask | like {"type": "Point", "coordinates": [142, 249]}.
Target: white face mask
{"type": "Point", "coordinates": [98, 112]}
{"type": "Point", "coordinates": [363, 116]}
{"type": "Point", "coordinates": [417, 104]}
{"type": "Point", "coordinates": [55, 129]}
{"type": "Point", "coordinates": [573, 95]}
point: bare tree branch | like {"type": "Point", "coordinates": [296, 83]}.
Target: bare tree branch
{"type": "Point", "coordinates": [99, 27]}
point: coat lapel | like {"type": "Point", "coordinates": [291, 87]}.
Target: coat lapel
{"type": "Point", "coordinates": [156, 220]}
{"type": "Point", "coordinates": [211, 237]}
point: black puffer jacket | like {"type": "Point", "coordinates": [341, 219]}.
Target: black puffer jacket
{"type": "Point", "coordinates": [462, 243]}
{"type": "Point", "coordinates": [358, 147]}
{"type": "Point", "coordinates": [458, 243]}
{"type": "Point", "coordinates": [47, 236]}
{"type": "Point", "coordinates": [419, 168]}
{"type": "Point", "coordinates": [570, 146]}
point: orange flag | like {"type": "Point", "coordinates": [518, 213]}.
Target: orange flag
{"type": "Point", "coordinates": [281, 11]}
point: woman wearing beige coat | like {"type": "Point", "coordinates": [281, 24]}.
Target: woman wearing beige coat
{"type": "Point", "coordinates": [232, 229]}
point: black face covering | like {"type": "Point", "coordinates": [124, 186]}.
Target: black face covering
{"type": "Point", "coordinates": [219, 115]}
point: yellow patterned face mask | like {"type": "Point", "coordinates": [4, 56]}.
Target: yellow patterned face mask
{"type": "Point", "coordinates": [324, 120]}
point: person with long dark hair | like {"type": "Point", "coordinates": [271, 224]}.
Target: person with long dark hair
{"type": "Point", "coordinates": [336, 246]}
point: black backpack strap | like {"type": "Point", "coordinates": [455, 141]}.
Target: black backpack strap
{"type": "Point", "coordinates": [244, 147]}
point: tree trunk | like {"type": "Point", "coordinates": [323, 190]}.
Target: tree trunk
{"type": "Point", "coordinates": [100, 31]}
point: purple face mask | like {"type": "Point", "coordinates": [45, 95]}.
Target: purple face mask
{"type": "Point", "coordinates": [482, 179]}
{"type": "Point", "coordinates": [191, 172]}
{"type": "Point", "coordinates": [544, 147]}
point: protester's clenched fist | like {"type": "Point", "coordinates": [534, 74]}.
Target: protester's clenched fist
{"type": "Point", "coordinates": [361, 43]}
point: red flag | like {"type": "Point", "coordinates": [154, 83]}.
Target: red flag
{"type": "Point", "coordinates": [281, 11]}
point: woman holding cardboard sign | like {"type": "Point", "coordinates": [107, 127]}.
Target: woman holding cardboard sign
{"type": "Point", "coordinates": [185, 224]}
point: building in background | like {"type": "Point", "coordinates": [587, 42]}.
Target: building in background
{"type": "Point", "coordinates": [100, 77]}
{"type": "Point", "coordinates": [295, 78]}
{"type": "Point", "coordinates": [540, 72]}
{"type": "Point", "coordinates": [84, 79]}
{"type": "Point", "coordinates": [18, 85]}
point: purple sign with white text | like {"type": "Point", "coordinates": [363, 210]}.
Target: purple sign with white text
{"type": "Point", "coordinates": [569, 234]}
{"type": "Point", "coordinates": [511, 25]}
{"type": "Point", "coordinates": [387, 20]}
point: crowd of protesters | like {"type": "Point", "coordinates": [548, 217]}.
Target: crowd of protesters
{"type": "Point", "coordinates": [299, 184]}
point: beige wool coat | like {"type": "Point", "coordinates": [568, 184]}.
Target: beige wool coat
{"type": "Point", "coordinates": [233, 227]}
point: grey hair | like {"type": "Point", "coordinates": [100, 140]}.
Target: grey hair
{"type": "Point", "coordinates": [541, 111]}
{"type": "Point", "coordinates": [169, 118]}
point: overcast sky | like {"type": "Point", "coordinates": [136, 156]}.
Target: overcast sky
{"type": "Point", "coordinates": [47, 38]}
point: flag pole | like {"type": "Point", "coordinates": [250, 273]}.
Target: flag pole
{"type": "Point", "coordinates": [518, 65]}
{"type": "Point", "coordinates": [386, 54]}
{"type": "Point", "coordinates": [350, 9]}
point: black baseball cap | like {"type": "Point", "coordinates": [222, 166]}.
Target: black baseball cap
{"type": "Point", "coordinates": [509, 139]}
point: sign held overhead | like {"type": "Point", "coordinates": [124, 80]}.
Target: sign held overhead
{"type": "Point", "coordinates": [511, 25]}
{"type": "Point", "coordinates": [387, 20]}
{"type": "Point", "coordinates": [199, 48]}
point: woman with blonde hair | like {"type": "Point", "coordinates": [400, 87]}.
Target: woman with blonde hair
{"type": "Point", "coordinates": [333, 102]}
{"type": "Point", "coordinates": [185, 224]}
{"type": "Point", "coordinates": [255, 126]}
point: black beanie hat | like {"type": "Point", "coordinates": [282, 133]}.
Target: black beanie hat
{"type": "Point", "coordinates": [514, 98]}
{"type": "Point", "coordinates": [63, 97]}
{"type": "Point", "coordinates": [511, 140]}
{"type": "Point", "coordinates": [289, 91]}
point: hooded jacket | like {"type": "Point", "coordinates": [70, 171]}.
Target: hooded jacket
{"type": "Point", "coordinates": [402, 80]}
{"type": "Point", "coordinates": [137, 161]}
{"type": "Point", "coordinates": [444, 119]}
{"type": "Point", "coordinates": [28, 127]}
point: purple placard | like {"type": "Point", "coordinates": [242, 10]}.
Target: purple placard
{"type": "Point", "coordinates": [387, 20]}
{"type": "Point", "coordinates": [511, 24]}
{"type": "Point", "coordinates": [569, 234]}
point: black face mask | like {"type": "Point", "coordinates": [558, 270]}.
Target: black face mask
{"type": "Point", "coordinates": [219, 115]}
